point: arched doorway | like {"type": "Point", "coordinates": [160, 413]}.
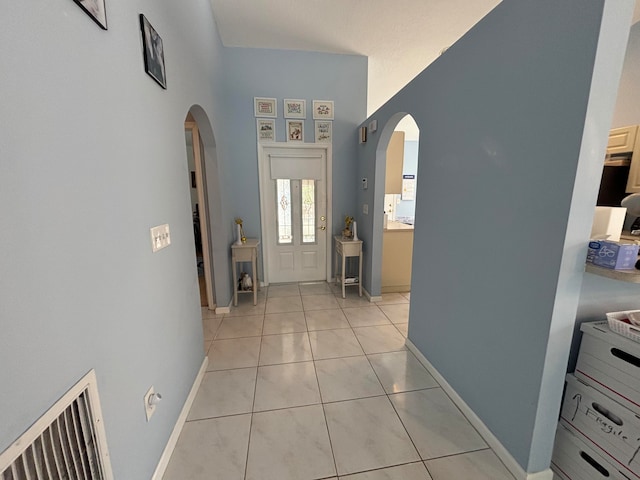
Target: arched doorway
{"type": "Point", "coordinates": [397, 164]}
{"type": "Point", "coordinates": [214, 232]}
{"type": "Point", "coordinates": [199, 210]}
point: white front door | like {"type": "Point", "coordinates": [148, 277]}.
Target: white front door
{"type": "Point", "coordinates": [293, 184]}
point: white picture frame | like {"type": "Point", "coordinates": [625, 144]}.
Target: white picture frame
{"type": "Point", "coordinates": [266, 130]}
{"type": "Point", "coordinates": [324, 132]}
{"type": "Point", "coordinates": [323, 109]}
{"type": "Point", "coordinates": [295, 131]}
{"type": "Point", "coordinates": [295, 108]}
{"type": "Point", "coordinates": [265, 107]}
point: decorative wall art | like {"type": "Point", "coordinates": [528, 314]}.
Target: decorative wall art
{"type": "Point", "coordinates": [153, 52]}
{"type": "Point", "coordinates": [323, 131]}
{"type": "Point", "coordinates": [265, 107]}
{"type": "Point", "coordinates": [323, 109]}
{"type": "Point", "coordinates": [96, 10]}
{"type": "Point", "coordinates": [295, 108]}
{"type": "Point", "coordinates": [295, 131]}
{"type": "Point", "coordinates": [266, 130]}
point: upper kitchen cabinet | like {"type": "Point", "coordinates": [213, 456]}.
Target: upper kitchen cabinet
{"type": "Point", "coordinates": [395, 158]}
{"type": "Point", "coordinates": [624, 144]}
{"type": "Point", "coordinates": [622, 140]}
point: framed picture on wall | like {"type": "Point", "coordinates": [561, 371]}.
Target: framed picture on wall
{"type": "Point", "coordinates": [295, 131]}
{"type": "Point", "coordinates": [323, 109]}
{"type": "Point", "coordinates": [323, 131]}
{"type": "Point", "coordinates": [265, 107]}
{"type": "Point", "coordinates": [295, 108]}
{"type": "Point", "coordinates": [153, 52]}
{"type": "Point", "coordinates": [96, 10]}
{"type": "Point", "coordinates": [266, 130]}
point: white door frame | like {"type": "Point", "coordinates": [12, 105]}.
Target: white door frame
{"type": "Point", "coordinates": [204, 212]}
{"type": "Point", "coordinates": [263, 170]}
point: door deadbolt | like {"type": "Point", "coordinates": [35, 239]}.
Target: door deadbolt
{"type": "Point", "coordinates": [322, 218]}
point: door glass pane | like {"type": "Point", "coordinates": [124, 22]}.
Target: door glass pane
{"type": "Point", "coordinates": [308, 211]}
{"type": "Point", "coordinates": [283, 197]}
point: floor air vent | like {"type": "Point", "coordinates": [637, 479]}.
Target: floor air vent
{"type": "Point", "coordinates": [67, 443]}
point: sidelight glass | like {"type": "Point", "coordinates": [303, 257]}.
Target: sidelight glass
{"type": "Point", "coordinates": [308, 201]}
{"type": "Point", "coordinates": [283, 197]}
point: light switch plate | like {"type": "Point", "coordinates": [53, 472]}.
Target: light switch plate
{"type": "Point", "coordinates": [365, 209]}
{"type": "Point", "coordinates": [160, 237]}
{"type": "Point", "coordinates": [373, 126]}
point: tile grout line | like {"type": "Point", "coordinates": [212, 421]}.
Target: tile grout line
{"type": "Point", "coordinates": [324, 414]}
{"type": "Point", "coordinates": [253, 403]}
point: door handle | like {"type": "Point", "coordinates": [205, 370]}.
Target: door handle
{"type": "Point", "coordinates": [323, 227]}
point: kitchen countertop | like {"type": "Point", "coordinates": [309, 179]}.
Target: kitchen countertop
{"type": "Point", "coordinates": [397, 226]}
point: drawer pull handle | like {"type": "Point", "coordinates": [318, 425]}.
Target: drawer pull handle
{"type": "Point", "coordinates": [603, 471]}
{"type": "Point", "coordinates": [626, 357]}
{"type": "Point", "coordinates": [603, 411]}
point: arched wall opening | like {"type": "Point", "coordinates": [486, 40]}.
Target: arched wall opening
{"type": "Point", "coordinates": [216, 233]}
{"type": "Point", "coordinates": [399, 139]}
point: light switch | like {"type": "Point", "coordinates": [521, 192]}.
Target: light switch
{"type": "Point", "coordinates": [365, 184]}
{"type": "Point", "coordinates": [365, 209]}
{"type": "Point", "coordinates": [160, 237]}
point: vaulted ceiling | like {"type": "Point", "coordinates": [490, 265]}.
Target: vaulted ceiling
{"type": "Point", "coordinates": [400, 37]}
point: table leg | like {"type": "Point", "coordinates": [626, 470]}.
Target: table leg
{"type": "Point", "coordinates": [235, 281]}
{"type": "Point", "coordinates": [343, 273]}
{"type": "Point", "coordinates": [360, 273]}
{"type": "Point", "coordinates": [255, 277]}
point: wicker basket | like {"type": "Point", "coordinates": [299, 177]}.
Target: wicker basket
{"type": "Point", "coordinates": [614, 319]}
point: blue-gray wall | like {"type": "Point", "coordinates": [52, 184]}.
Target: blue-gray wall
{"type": "Point", "coordinates": [93, 155]}
{"type": "Point", "coordinates": [283, 74]}
{"type": "Point", "coordinates": [513, 125]}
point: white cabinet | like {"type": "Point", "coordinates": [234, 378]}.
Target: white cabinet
{"type": "Point", "coordinates": [625, 141]}
{"type": "Point", "coordinates": [395, 160]}
{"type": "Point", "coordinates": [622, 140]}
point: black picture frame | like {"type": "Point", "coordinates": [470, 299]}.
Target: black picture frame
{"type": "Point", "coordinates": [153, 51]}
{"type": "Point", "coordinates": [96, 9]}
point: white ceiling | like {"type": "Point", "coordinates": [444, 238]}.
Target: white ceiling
{"type": "Point", "coordinates": [400, 37]}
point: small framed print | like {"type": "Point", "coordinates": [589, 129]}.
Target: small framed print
{"type": "Point", "coordinates": [265, 107]}
{"type": "Point", "coordinates": [266, 130]}
{"type": "Point", "coordinates": [323, 109]}
{"type": "Point", "coordinates": [295, 108]}
{"type": "Point", "coordinates": [96, 10]}
{"type": "Point", "coordinates": [323, 131]}
{"type": "Point", "coordinates": [153, 52]}
{"type": "Point", "coordinates": [295, 131]}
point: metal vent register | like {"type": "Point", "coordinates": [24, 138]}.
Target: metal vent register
{"type": "Point", "coordinates": [67, 443]}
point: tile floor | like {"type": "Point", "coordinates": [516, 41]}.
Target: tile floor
{"type": "Point", "coordinates": [308, 385]}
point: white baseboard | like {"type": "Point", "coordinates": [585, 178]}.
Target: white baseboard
{"type": "Point", "coordinates": [182, 418]}
{"type": "Point", "coordinates": [372, 299]}
{"type": "Point", "coordinates": [227, 309]}
{"type": "Point", "coordinates": [512, 465]}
